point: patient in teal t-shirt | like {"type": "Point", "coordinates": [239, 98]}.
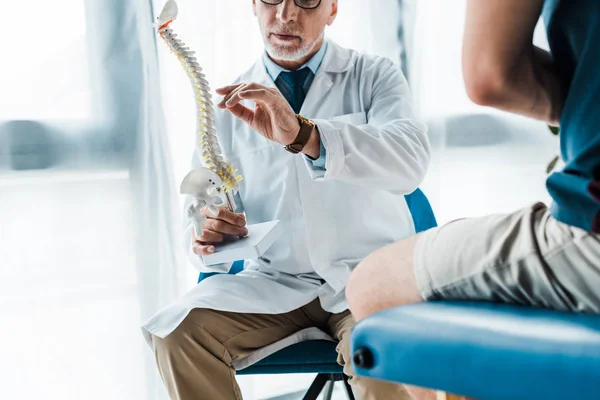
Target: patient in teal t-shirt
{"type": "Point", "coordinates": [536, 256]}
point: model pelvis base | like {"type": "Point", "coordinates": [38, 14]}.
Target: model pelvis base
{"type": "Point", "coordinates": [205, 187]}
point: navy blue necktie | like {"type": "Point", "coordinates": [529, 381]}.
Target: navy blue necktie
{"type": "Point", "coordinates": [291, 85]}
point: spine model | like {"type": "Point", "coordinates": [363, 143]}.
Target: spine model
{"type": "Point", "coordinates": [206, 135]}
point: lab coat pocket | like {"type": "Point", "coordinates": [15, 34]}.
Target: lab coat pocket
{"type": "Point", "coordinates": [358, 118]}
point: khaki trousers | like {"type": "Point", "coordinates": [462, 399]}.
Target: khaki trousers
{"type": "Point", "coordinates": [526, 257]}
{"type": "Point", "coordinates": [195, 360]}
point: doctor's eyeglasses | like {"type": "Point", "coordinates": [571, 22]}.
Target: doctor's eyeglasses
{"type": "Point", "coordinates": [305, 4]}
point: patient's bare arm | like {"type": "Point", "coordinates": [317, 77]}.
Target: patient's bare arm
{"type": "Point", "coordinates": [502, 68]}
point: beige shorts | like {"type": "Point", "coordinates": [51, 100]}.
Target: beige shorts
{"type": "Point", "coordinates": [526, 258]}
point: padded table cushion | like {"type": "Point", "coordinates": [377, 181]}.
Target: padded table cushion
{"type": "Point", "coordinates": [482, 350]}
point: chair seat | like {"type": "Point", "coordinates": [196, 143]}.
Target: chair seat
{"type": "Point", "coordinates": [481, 350]}
{"type": "Point", "coordinates": [315, 356]}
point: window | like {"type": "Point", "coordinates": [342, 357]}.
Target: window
{"type": "Point", "coordinates": [71, 86]}
{"type": "Point", "coordinates": [47, 74]}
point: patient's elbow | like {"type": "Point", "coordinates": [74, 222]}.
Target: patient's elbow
{"type": "Point", "coordinates": [486, 83]}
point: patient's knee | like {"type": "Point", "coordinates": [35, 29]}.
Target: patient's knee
{"type": "Point", "coordinates": [384, 279]}
{"type": "Point", "coordinates": [362, 285]}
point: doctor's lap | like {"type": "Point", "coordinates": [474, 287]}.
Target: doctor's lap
{"type": "Point", "coordinates": [196, 359]}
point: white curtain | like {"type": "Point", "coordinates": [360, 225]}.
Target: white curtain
{"type": "Point", "coordinates": [161, 266]}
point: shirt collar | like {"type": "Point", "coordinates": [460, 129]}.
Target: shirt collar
{"type": "Point", "coordinates": [313, 64]}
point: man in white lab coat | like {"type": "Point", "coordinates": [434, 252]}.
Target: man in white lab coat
{"type": "Point", "coordinates": [327, 143]}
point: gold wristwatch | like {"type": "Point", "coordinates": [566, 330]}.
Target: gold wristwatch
{"type": "Point", "coordinates": [306, 128]}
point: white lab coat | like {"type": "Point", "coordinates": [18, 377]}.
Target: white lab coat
{"type": "Point", "coordinates": [377, 152]}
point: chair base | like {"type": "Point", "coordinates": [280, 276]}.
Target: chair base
{"type": "Point", "coordinates": [316, 388]}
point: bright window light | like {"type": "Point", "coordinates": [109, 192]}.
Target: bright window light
{"type": "Point", "coordinates": [44, 71]}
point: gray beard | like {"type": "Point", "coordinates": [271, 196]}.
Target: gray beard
{"type": "Point", "coordinates": [289, 54]}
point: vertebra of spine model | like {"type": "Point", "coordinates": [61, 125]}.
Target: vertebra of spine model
{"type": "Point", "coordinates": [206, 135]}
